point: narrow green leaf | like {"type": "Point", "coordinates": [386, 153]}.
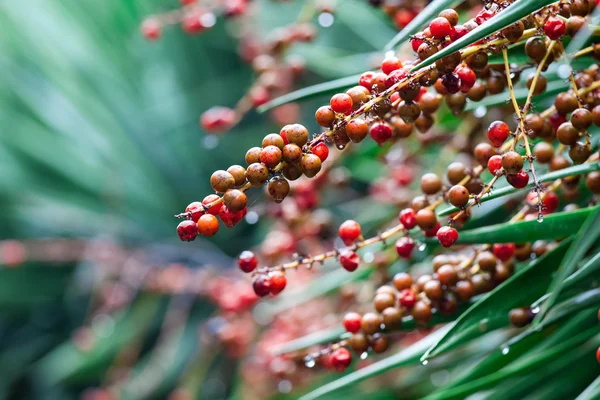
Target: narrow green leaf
{"type": "Point", "coordinates": [511, 14]}
{"type": "Point", "coordinates": [408, 356]}
{"type": "Point", "coordinates": [554, 226]}
{"type": "Point", "coordinates": [428, 13]}
{"type": "Point", "coordinates": [586, 236]}
{"type": "Point", "coordinates": [324, 88]}
{"type": "Point", "coordinates": [591, 392]}
{"type": "Point", "coordinates": [549, 177]}
{"type": "Point", "coordinates": [520, 289]}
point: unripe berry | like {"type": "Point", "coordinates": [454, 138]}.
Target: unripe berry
{"type": "Point", "coordinates": [405, 246]}
{"type": "Point", "coordinates": [431, 183]}
{"type": "Point", "coordinates": [273, 139]}
{"type": "Point", "coordinates": [239, 174]}
{"type": "Point", "coordinates": [371, 323]}
{"type": "Point", "coordinates": [270, 156]}
{"type": "Point", "coordinates": [357, 129]}
{"type": "Point", "coordinates": [349, 232]}
{"type": "Point", "coordinates": [392, 318]}
{"type": "Point", "coordinates": [341, 359]}
{"type": "Point", "coordinates": [221, 181]}
{"type": "Point", "coordinates": [402, 280]}
{"type": "Point", "coordinates": [291, 153]}
{"type": "Point", "coordinates": [208, 225]}
{"type": "Point", "coordinates": [458, 196]}
{"type": "Point", "coordinates": [187, 230]}
{"type": "Point", "coordinates": [311, 165]}
{"type": "Point", "coordinates": [408, 218]}
{"type": "Point", "coordinates": [325, 116]}
{"type": "Point", "coordinates": [497, 133]}
{"type": "Point", "coordinates": [278, 282]}
{"type": "Point", "coordinates": [278, 188]}
{"type": "Point", "coordinates": [349, 260]}
{"type": "Point", "coordinates": [426, 219]}
{"type": "Point", "coordinates": [257, 174]}
{"type": "Point", "coordinates": [235, 200]}
{"type": "Point", "coordinates": [253, 155]}
{"type": "Point", "coordinates": [512, 162]}
{"type": "Point", "coordinates": [447, 236]}
{"type": "Point", "coordinates": [295, 133]}
{"type": "Point", "coordinates": [352, 322]}
{"type": "Point", "coordinates": [247, 261]}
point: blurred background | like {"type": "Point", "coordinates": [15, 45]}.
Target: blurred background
{"type": "Point", "coordinates": [100, 146]}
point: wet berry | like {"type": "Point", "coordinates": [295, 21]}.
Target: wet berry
{"type": "Point", "coordinates": [518, 180]}
{"type": "Point", "coordinates": [187, 230]}
{"type": "Point", "coordinates": [230, 218]}
{"type": "Point", "coordinates": [497, 133]}
{"type": "Point", "coordinates": [341, 359]}
{"type": "Point", "coordinates": [262, 285]}
{"type": "Point", "coordinates": [352, 322]}
{"type": "Point", "coordinates": [494, 164]}
{"type": "Point", "coordinates": [341, 103]}
{"type": "Point", "coordinates": [208, 225]}
{"type": "Point", "coordinates": [247, 261]}
{"type": "Point", "coordinates": [321, 150]}
{"type": "Point", "coordinates": [447, 236]}
{"type": "Point", "coordinates": [390, 64]}
{"type": "Point", "coordinates": [408, 218]}
{"type": "Point", "coordinates": [349, 260]}
{"type": "Point", "coordinates": [405, 246]}
{"type": "Point", "coordinates": [554, 28]}
{"type": "Point", "coordinates": [196, 209]}
{"type": "Point", "coordinates": [349, 232]}
{"type": "Point", "coordinates": [381, 132]}
{"type": "Point", "coordinates": [467, 77]}
{"type": "Point", "coordinates": [278, 281]}
{"type": "Point", "coordinates": [440, 27]}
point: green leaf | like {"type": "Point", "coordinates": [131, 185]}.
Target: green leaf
{"type": "Point", "coordinates": [408, 356]}
{"type": "Point", "coordinates": [585, 238]}
{"type": "Point", "coordinates": [511, 14]}
{"type": "Point", "coordinates": [591, 392]}
{"type": "Point", "coordinates": [324, 88]}
{"type": "Point", "coordinates": [549, 177]}
{"type": "Point", "coordinates": [428, 13]}
{"type": "Point", "coordinates": [522, 288]}
{"type": "Point", "coordinates": [554, 226]}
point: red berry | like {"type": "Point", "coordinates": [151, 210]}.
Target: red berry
{"type": "Point", "coordinates": [278, 282]}
{"type": "Point", "coordinates": [408, 218]}
{"type": "Point", "coordinates": [321, 150]}
{"type": "Point", "coordinates": [495, 164]}
{"type": "Point", "coordinates": [390, 64]}
{"type": "Point", "coordinates": [230, 219]}
{"type": "Point", "coordinates": [196, 209]}
{"type": "Point", "coordinates": [247, 261]}
{"type": "Point", "coordinates": [440, 27]}
{"type": "Point", "coordinates": [415, 43]}
{"type": "Point", "coordinates": [208, 225]}
{"type": "Point", "coordinates": [187, 230]}
{"type": "Point", "coordinates": [457, 32]}
{"type": "Point", "coordinates": [405, 246]}
{"type": "Point", "coordinates": [557, 120]}
{"type": "Point", "coordinates": [259, 95]}
{"type": "Point", "coordinates": [467, 77]}
{"type": "Point", "coordinates": [217, 119]}
{"type": "Point", "coordinates": [503, 251]}
{"type": "Point", "coordinates": [554, 28]}
{"type": "Point", "coordinates": [447, 236]}
{"type": "Point", "coordinates": [381, 132]}
{"type": "Point", "coordinates": [433, 231]}
{"type": "Point", "coordinates": [394, 97]}
{"type": "Point", "coordinates": [349, 260]}
{"type": "Point", "coordinates": [214, 210]}
{"type": "Point", "coordinates": [483, 16]}
{"type": "Point", "coordinates": [396, 76]}
{"type": "Point", "coordinates": [518, 180]}
{"type": "Point", "coordinates": [403, 18]}
{"type": "Point", "coordinates": [422, 91]}
{"type": "Point", "coordinates": [550, 201]}
{"type": "Point", "coordinates": [365, 79]}
{"type": "Point", "coordinates": [349, 231]}
{"type": "Point", "coordinates": [341, 359]}
{"type": "Point", "coordinates": [407, 298]}
{"type": "Point", "coordinates": [151, 29]}
{"type": "Point", "coordinates": [341, 103]}
{"type": "Point", "coordinates": [262, 285]}
{"type": "Point", "coordinates": [192, 22]}
{"type": "Point", "coordinates": [497, 133]}
{"type": "Point", "coordinates": [352, 322]}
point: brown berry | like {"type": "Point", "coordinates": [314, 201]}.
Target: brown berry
{"type": "Point", "coordinates": [581, 119]}
{"type": "Point", "coordinates": [371, 323]}
{"type": "Point", "coordinates": [311, 165]}
{"type": "Point", "coordinates": [239, 174]}
{"type": "Point", "coordinates": [257, 174]}
{"type": "Point", "coordinates": [426, 219]}
{"type": "Point", "coordinates": [273, 139]}
{"type": "Point", "coordinates": [392, 318]}
{"type": "Point", "coordinates": [357, 129]}
{"type": "Point", "coordinates": [221, 181]}
{"type": "Point", "coordinates": [512, 162]}
{"type": "Point", "coordinates": [235, 200]}
{"type": "Point", "coordinates": [295, 133]}
{"type": "Point", "coordinates": [430, 183]}
{"type": "Point", "coordinates": [278, 188]}
{"type": "Point", "coordinates": [325, 116]}
{"type": "Point", "coordinates": [383, 301]}
{"type": "Point", "coordinates": [253, 155]}
{"type": "Point", "coordinates": [567, 134]}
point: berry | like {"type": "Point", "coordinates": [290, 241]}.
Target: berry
{"type": "Point", "coordinates": [270, 156]}
{"type": "Point", "coordinates": [451, 82]}
{"type": "Point", "coordinates": [221, 181]}
{"type": "Point", "coordinates": [407, 298]}
{"type": "Point", "coordinates": [208, 225]}
{"type": "Point", "coordinates": [262, 285]}
{"type": "Point", "coordinates": [458, 196]}
{"type": "Point", "coordinates": [381, 132]}
{"type": "Point", "coordinates": [349, 231]}
{"type": "Point", "coordinates": [518, 180]}
{"type": "Point", "coordinates": [433, 231]}
{"type": "Point", "coordinates": [295, 133]}
{"type": "Point", "coordinates": [554, 28]}
{"type": "Point", "coordinates": [512, 162]}
{"type": "Point", "coordinates": [341, 103]}
{"type": "Point", "coordinates": [390, 64]}
{"type": "Point", "coordinates": [311, 165]}
{"type": "Point", "coordinates": [519, 317]}
{"type": "Point", "coordinates": [371, 323]}
{"type": "Point", "coordinates": [187, 230]}
{"type": "Point", "coordinates": [440, 27]}
{"type": "Point", "coordinates": [192, 22]}
{"type": "Point", "coordinates": [247, 261]}
{"type": "Point", "coordinates": [196, 209]}
{"type": "Point", "coordinates": [495, 164]}
{"type": "Point", "coordinates": [352, 322]}
{"type": "Point", "coordinates": [235, 200]}
{"type": "Point", "coordinates": [341, 359]}
{"type": "Point", "coordinates": [598, 354]}
{"type": "Point", "coordinates": [402, 280]}
{"type": "Point", "coordinates": [415, 42]}
{"type": "Point", "coordinates": [325, 116]}
{"type": "Point", "coordinates": [321, 150]}
{"type": "Point", "coordinates": [365, 79]}
{"type": "Point", "coordinates": [405, 246]}
{"type": "Point", "coordinates": [151, 29]}
{"type": "Point", "coordinates": [230, 218]}
{"type": "Point", "coordinates": [396, 76]}
{"type": "Point", "coordinates": [408, 218]}
{"type": "Point", "coordinates": [467, 77]}
{"type": "Point", "coordinates": [447, 236]}
{"type": "Point", "coordinates": [497, 133]}
{"type": "Point", "coordinates": [503, 251]}
{"type": "Point", "coordinates": [349, 260]}
{"type": "Point", "coordinates": [431, 183]}
{"type": "Point", "coordinates": [278, 281]}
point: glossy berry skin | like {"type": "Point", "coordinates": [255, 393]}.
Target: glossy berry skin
{"type": "Point", "coordinates": [467, 77]}
{"type": "Point", "coordinates": [390, 64]}
{"type": "Point", "coordinates": [440, 27]}
{"type": "Point", "coordinates": [352, 322]}
{"type": "Point", "coordinates": [518, 180]}
{"type": "Point", "coordinates": [447, 236]}
{"type": "Point", "coordinates": [598, 354]}
{"type": "Point", "coordinates": [187, 230]}
{"type": "Point", "coordinates": [433, 231]}
{"type": "Point", "coordinates": [196, 209]}
{"type": "Point", "coordinates": [497, 133]}
{"type": "Point", "coordinates": [229, 218]}
{"type": "Point", "coordinates": [341, 103]}
{"type": "Point", "coordinates": [247, 261]}
{"type": "Point", "coordinates": [208, 225]}
{"type": "Point", "coordinates": [349, 260]}
{"type": "Point", "coordinates": [365, 79]}
{"type": "Point", "coordinates": [554, 28]}
{"type": "Point", "coordinates": [550, 201]}
{"type": "Point", "coordinates": [262, 285]}
{"type": "Point", "coordinates": [503, 251]}
{"type": "Point", "coordinates": [349, 231]}
{"type": "Point", "coordinates": [340, 359]}
{"type": "Point", "coordinates": [321, 150]}
{"type": "Point", "coordinates": [407, 298]}
{"type": "Point", "coordinates": [495, 164]}
{"type": "Point", "coordinates": [381, 132]}
{"type": "Point", "coordinates": [211, 198]}
{"type": "Point", "coordinates": [278, 282]}
{"type": "Point", "coordinates": [405, 246]}
{"type": "Point", "coordinates": [408, 218]}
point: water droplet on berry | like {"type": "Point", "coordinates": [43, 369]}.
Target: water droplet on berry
{"type": "Point", "coordinates": [364, 355]}
{"type": "Point", "coordinates": [422, 247]}
{"type": "Point", "coordinates": [309, 362]}
{"type": "Point", "coordinates": [505, 350]}
{"type": "Point", "coordinates": [208, 20]}
{"type": "Point", "coordinates": [535, 310]}
{"type": "Point", "coordinates": [540, 218]}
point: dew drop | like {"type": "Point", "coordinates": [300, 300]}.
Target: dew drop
{"type": "Point", "coordinates": [364, 355]}
{"type": "Point", "coordinates": [422, 247]}
{"type": "Point", "coordinates": [480, 111]}
{"type": "Point", "coordinates": [341, 146]}
{"type": "Point", "coordinates": [425, 362]}
{"type": "Point", "coordinates": [369, 257]}
{"type": "Point", "coordinates": [535, 310]}
{"type": "Point", "coordinates": [309, 362]}
{"type": "Point", "coordinates": [483, 325]}
{"type": "Point", "coordinates": [540, 218]}
{"type": "Point", "coordinates": [505, 350]}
